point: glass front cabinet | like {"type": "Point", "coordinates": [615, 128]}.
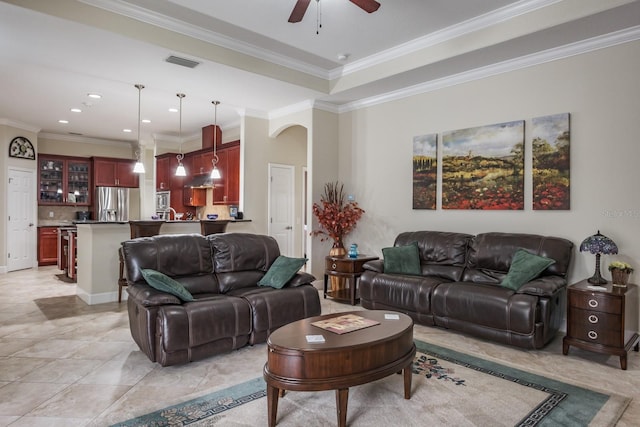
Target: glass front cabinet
{"type": "Point", "coordinates": [64, 180]}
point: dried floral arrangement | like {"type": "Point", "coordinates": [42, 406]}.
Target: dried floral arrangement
{"type": "Point", "coordinates": [336, 218]}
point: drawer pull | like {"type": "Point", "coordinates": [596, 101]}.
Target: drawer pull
{"type": "Point", "coordinates": [593, 335]}
{"type": "Point", "coordinates": [334, 266]}
{"type": "Point", "coordinates": [593, 303]}
{"type": "Point", "coordinates": [593, 319]}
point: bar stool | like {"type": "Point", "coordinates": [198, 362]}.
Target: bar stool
{"type": "Point", "coordinates": [213, 226]}
{"type": "Point", "coordinates": [138, 229]}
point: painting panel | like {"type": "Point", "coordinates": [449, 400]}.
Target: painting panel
{"type": "Point", "coordinates": [425, 169]}
{"type": "Point", "coordinates": [482, 167]}
{"type": "Point", "coordinates": [550, 146]}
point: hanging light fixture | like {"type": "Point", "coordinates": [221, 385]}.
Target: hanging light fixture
{"type": "Point", "coordinates": [215, 173]}
{"type": "Point", "coordinates": [139, 167]}
{"type": "Point", "coordinates": [180, 170]}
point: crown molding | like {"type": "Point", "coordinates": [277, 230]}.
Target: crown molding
{"type": "Point", "coordinates": [578, 48]}
{"type": "Point", "coordinates": [475, 24]}
{"type": "Point", "coordinates": [19, 125]}
{"type": "Point", "coordinates": [169, 23]}
{"type": "Point", "coordinates": [83, 139]}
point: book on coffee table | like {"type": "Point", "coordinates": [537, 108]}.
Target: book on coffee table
{"type": "Point", "coordinates": [345, 323]}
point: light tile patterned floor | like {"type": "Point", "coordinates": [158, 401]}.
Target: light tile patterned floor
{"type": "Point", "coordinates": [64, 363]}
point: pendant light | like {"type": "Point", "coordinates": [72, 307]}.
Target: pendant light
{"type": "Point", "coordinates": [139, 167]}
{"type": "Point", "coordinates": [215, 173]}
{"type": "Point", "coordinates": [180, 170]}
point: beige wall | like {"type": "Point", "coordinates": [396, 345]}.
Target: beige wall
{"type": "Point", "coordinates": [289, 147]}
{"type": "Point", "coordinates": [601, 92]}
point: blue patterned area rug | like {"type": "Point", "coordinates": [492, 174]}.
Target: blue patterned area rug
{"type": "Point", "coordinates": [449, 388]}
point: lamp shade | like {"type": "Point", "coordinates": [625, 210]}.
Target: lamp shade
{"type": "Point", "coordinates": [180, 170]}
{"type": "Point", "coordinates": [598, 244]}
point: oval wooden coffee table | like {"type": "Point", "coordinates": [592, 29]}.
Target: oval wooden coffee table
{"type": "Point", "coordinates": [341, 361]}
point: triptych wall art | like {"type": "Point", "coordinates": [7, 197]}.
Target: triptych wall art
{"type": "Point", "coordinates": [483, 167]}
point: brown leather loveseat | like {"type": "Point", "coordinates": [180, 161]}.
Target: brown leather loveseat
{"type": "Point", "coordinates": [229, 309]}
{"type": "Point", "coordinates": [458, 286]}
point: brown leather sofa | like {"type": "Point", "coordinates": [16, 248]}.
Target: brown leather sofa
{"type": "Point", "coordinates": [459, 286]}
{"type": "Point", "coordinates": [230, 310]}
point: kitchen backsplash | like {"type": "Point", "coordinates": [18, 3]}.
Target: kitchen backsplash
{"type": "Point", "coordinates": [60, 213]}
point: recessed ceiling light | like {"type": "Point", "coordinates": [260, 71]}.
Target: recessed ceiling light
{"type": "Point", "coordinates": [94, 95]}
{"type": "Point", "coordinates": [146, 121]}
{"type": "Point", "coordinates": [64, 122]}
{"type": "Point", "coordinates": [173, 110]}
{"type": "Point", "coordinates": [126, 130]}
{"type": "Point", "coordinates": [76, 110]}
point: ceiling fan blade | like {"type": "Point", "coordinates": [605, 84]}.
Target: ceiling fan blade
{"type": "Point", "coordinates": [299, 10]}
{"type": "Point", "coordinates": [366, 5]}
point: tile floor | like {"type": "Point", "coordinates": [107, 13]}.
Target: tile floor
{"type": "Point", "coordinates": [64, 363]}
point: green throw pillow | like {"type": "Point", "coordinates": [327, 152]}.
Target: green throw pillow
{"type": "Point", "coordinates": [525, 267]}
{"type": "Point", "coordinates": [402, 259]}
{"type": "Point", "coordinates": [164, 283]}
{"type": "Point", "coordinates": [281, 271]}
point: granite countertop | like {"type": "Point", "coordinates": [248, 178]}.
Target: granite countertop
{"type": "Point", "coordinates": [73, 223]}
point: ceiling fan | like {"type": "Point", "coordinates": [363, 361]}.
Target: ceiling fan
{"type": "Point", "coordinates": [301, 7]}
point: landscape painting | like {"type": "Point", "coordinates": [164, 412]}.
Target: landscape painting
{"type": "Point", "coordinates": [482, 167]}
{"type": "Point", "coordinates": [550, 166]}
{"type": "Point", "coordinates": [425, 168]}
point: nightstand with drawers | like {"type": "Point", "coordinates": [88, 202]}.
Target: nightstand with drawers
{"type": "Point", "coordinates": [602, 319]}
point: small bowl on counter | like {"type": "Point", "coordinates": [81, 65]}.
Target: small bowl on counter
{"type": "Point", "coordinates": [212, 216]}
{"type": "Point", "coordinates": [178, 216]}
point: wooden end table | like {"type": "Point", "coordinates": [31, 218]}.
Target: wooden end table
{"type": "Point", "coordinates": [350, 269]}
{"type": "Point", "coordinates": [602, 319]}
{"type": "Point", "coordinates": [341, 361]}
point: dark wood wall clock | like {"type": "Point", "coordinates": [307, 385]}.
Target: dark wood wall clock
{"type": "Point", "coordinates": [22, 148]}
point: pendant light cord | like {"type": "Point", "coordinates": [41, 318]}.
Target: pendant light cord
{"type": "Point", "coordinates": [180, 156]}
{"type": "Point", "coordinates": [139, 87]}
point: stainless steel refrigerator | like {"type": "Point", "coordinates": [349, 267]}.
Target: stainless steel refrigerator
{"type": "Point", "coordinates": [112, 204]}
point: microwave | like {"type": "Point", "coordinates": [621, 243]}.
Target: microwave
{"type": "Point", "coordinates": [163, 200]}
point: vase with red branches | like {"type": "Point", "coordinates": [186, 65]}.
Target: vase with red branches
{"type": "Point", "coordinates": [335, 217]}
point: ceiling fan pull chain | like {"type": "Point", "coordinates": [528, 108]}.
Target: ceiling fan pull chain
{"type": "Point", "coordinates": [318, 17]}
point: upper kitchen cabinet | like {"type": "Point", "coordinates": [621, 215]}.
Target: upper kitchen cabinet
{"type": "Point", "coordinates": [166, 165]}
{"type": "Point", "coordinates": [64, 180]}
{"type": "Point", "coordinates": [112, 172]}
{"type": "Point", "coordinates": [227, 190]}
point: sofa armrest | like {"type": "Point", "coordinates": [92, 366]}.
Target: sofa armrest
{"type": "Point", "coordinates": [301, 278]}
{"type": "Point", "coordinates": [376, 265]}
{"type": "Point", "coordinates": [147, 296]}
{"type": "Point", "coordinates": [546, 286]}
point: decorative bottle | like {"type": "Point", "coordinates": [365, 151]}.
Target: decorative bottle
{"type": "Point", "coordinates": [353, 251]}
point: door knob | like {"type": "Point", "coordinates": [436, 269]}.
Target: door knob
{"type": "Point", "coordinates": [288, 228]}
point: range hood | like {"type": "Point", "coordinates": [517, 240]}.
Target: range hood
{"type": "Point", "coordinates": [201, 181]}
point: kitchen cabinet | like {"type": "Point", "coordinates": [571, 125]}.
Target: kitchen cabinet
{"type": "Point", "coordinates": [64, 180]}
{"type": "Point", "coordinates": [194, 196]}
{"type": "Point", "coordinates": [47, 245]}
{"type": "Point", "coordinates": [112, 172]}
{"type": "Point", "coordinates": [163, 174]}
{"type": "Point", "coordinates": [201, 162]}
{"type": "Point", "coordinates": [227, 189]}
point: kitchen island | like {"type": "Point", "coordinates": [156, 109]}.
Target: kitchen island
{"type": "Point", "coordinates": [98, 261]}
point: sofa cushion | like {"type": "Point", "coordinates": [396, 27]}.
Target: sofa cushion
{"type": "Point", "coordinates": [490, 255]}
{"type": "Point", "coordinates": [525, 267]}
{"type": "Point", "coordinates": [164, 283]}
{"type": "Point", "coordinates": [281, 271]}
{"type": "Point", "coordinates": [402, 259]}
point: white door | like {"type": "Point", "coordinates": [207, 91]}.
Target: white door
{"type": "Point", "coordinates": [281, 206]}
{"type": "Point", "coordinates": [21, 228]}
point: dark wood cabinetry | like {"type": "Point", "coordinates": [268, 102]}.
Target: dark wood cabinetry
{"type": "Point", "coordinates": [111, 172]}
{"type": "Point", "coordinates": [225, 191]}
{"type": "Point", "coordinates": [64, 180]}
{"type": "Point", "coordinates": [47, 245]}
{"type": "Point", "coordinates": [602, 319]}
{"type": "Point", "coordinates": [345, 273]}
{"type": "Point", "coordinates": [194, 196]}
